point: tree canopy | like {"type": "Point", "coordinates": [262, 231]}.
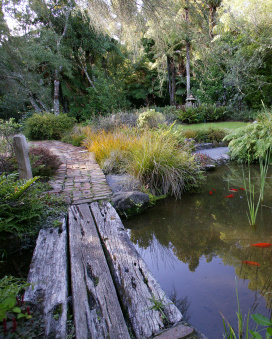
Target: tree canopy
{"type": "Point", "coordinates": [98, 56]}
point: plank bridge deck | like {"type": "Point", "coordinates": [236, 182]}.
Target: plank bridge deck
{"type": "Point", "coordinates": [91, 258]}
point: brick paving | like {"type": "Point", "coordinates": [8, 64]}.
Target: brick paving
{"type": "Point", "coordinates": [79, 177]}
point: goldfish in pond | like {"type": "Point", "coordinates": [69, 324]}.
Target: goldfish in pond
{"type": "Point", "coordinates": [261, 244]}
{"type": "Point", "coordinates": [241, 188]}
{"type": "Point", "coordinates": [253, 263]}
{"type": "Point", "coordinates": [210, 192]}
{"type": "Point", "coordinates": [229, 196]}
{"type": "Point", "coordinates": [233, 189]}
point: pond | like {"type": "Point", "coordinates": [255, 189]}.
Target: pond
{"type": "Point", "coordinates": [196, 246]}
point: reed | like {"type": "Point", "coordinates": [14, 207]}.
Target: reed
{"type": "Point", "coordinates": [244, 332]}
{"type": "Point", "coordinates": [253, 207]}
{"type": "Point", "coordinates": [264, 164]}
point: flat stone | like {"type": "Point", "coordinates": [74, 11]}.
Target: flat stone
{"type": "Point", "coordinates": [176, 332]}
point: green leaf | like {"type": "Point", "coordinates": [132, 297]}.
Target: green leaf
{"type": "Point", "coordinates": [21, 315]}
{"type": "Point", "coordinates": [256, 335]}
{"type": "Point", "coordinates": [261, 320]}
{"type": "Point", "coordinates": [16, 310]}
{"type": "Point", "coordinates": [9, 302]}
{"type": "Point", "coordinates": [3, 315]}
{"type": "Point", "coordinates": [269, 330]}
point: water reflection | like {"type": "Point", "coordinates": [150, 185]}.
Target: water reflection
{"type": "Point", "coordinates": [204, 226]}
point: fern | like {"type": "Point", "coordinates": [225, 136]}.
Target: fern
{"type": "Point", "coordinates": [252, 142]}
{"type": "Point", "coordinates": [11, 189]}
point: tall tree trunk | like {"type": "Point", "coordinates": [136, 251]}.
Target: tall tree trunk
{"type": "Point", "coordinates": [188, 77]}
{"type": "Point", "coordinates": [173, 83]}
{"type": "Point", "coordinates": [171, 80]}
{"type": "Point", "coordinates": [212, 20]}
{"type": "Point", "coordinates": [56, 93]}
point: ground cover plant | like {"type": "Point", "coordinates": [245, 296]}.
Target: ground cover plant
{"type": "Point", "coordinates": [18, 319]}
{"type": "Point", "coordinates": [24, 206]}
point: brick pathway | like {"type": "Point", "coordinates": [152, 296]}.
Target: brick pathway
{"type": "Point", "coordinates": [79, 177]}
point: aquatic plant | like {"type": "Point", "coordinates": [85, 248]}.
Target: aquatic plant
{"type": "Point", "coordinates": [246, 332]}
{"type": "Point", "coordinates": [264, 164]}
{"type": "Point", "coordinates": [250, 195]}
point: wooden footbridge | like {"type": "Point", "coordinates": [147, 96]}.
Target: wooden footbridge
{"type": "Point", "coordinates": [91, 260]}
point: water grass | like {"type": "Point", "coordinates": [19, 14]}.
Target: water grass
{"type": "Point", "coordinates": [244, 332]}
{"type": "Point", "coordinates": [253, 207]}
{"type": "Point", "coordinates": [264, 164]}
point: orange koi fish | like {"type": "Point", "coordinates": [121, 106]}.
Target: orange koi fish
{"type": "Point", "coordinates": [233, 190]}
{"type": "Point", "coordinates": [253, 263]}
{"type": "Point", "coordinates": [261, 244]}
{"type": "Point", "coordinates": [241, 188]}
{"type": "Point", "coordinates": [229, 196]}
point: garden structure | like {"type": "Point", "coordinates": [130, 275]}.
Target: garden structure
{"type": "Point", "coordinates": [114, 294]}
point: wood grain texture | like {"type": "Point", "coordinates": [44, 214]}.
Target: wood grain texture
{"type": "Point", "coordinates": [48, 274]}
{"type": "Point", "coordinates": [135, 283]}
{"type": "Point", "coordinates": [97, 312]}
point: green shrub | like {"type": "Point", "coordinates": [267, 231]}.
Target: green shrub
{"type": "Point", "coordinates": [111, 122]}
{"type": "Point", "coordinates": [206, 135]}
{"type": "Point", "coordinates": [249, 143]}
{"type": "Point", "coordinates": [47, 126]}
{"type": "Point", "coordinates": [43, 162]}
{"type": "Point", "coordinates": [150, 118]}
{"type": "Point", "coordinates": [202, 113]}
{"type": "Point", "coordinates": [7, 130]}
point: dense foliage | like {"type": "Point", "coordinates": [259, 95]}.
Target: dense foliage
{"type": "Point", "coordinates": [250, 143]}
{"type": "Point", "coordinates": [47, 126]}
{"type": "Point", "coordinates": [160, 159]}
{"type": "Point", "coordinates": [23, 205]}
{"type": "Point", "coordinates": [60, 58]}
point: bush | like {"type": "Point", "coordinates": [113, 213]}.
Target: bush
{"type": "Point", "coordinates": [249, 143]}
{"type": "Point", "coordinates": [75, 136]}
{"type": "Point", "coordinates": [47, 126]}
{"type": "Point", "coordinates": [150, 118]}
{"type": "Point", "coordinates": [203, 113]}
{"type": "Point", "coordinates": [7, 130]}
{"type": "Point", "coordinates": [43, 162]}
{"type": "Point", "coordinates": [113, 121]}
{"type": "Point", "coordinates": [206, 135]}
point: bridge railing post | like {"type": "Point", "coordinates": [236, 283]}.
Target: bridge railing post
{"type": "Point", "coordinates": [21, 152]}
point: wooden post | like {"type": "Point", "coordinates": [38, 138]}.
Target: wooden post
{"type": "Point", "coordinates": [21, 152]}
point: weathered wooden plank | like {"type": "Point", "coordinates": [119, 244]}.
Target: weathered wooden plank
{"type": "Point", "coordinates": [48, 274]}
{"type": "Point", "coordinates": [135, 283]}
{"type": "Point", "coordinates": [97, 312]}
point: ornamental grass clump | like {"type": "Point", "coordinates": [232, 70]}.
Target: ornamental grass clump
{"type": "Point", "coordinates": [162, 165]}
{"type": "Point", "coordinates": [156, 158]}
{"type": "Point", "coordinates": [104, 144]}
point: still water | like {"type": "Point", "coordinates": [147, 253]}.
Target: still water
{"type": "Point", "coordinates": [195, 247]}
